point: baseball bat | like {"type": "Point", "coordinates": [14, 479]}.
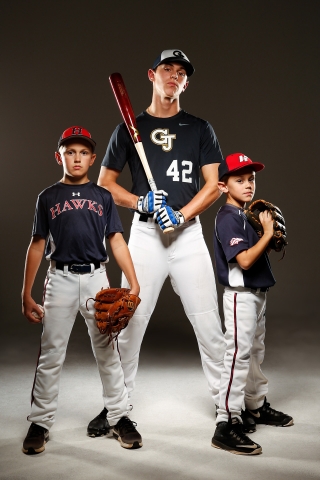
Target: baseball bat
{"type": "Point", "coordinates": [125, 107]}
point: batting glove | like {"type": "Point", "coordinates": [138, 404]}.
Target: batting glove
{"type": "Point", "coordinates": [167, 217]}
{"type": "Point", "coordinates": [152, 202]}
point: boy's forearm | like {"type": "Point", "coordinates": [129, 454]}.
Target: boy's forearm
{"type": "Point", "coordinates": [201, 201]}
{"type": "Point", "coordinates": [247, 258]}
{"type": "Point", "coordinates": [123, 258]}
{"type": "Point", "coordinates": [33, 260]}
{"type": "Point", "coordinates": [122, 197]}
{"type": "Point", "coordinates": [206, 196]}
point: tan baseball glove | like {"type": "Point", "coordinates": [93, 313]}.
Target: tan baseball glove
{"type": "Point", "coordinates": [279, 239]}
{"type": "Point", "coordinates": [114, 309]}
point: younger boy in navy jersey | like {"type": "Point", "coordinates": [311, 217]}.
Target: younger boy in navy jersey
{"type": "Point", "coordinates": [243, 267]}
{"type": "Point", "coordinates": [73, 218]}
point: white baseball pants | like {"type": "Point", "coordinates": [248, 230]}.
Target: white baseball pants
{"type": "Point", "coordinates": [66, 294]}
{"type": "Point", "coordinates": [183, 256]}
{"type": "Point", "coordinates": [242, 381]}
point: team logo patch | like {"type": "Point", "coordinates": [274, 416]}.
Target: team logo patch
{"type": "Point", "coordinates": [161, 136]}
{"type": "Point", "coordinates": [178, 53]}
{"type": "Point", "coordinates": [235, 241]}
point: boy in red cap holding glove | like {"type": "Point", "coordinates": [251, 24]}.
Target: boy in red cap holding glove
{"type": "Point", "coordinates": [243, 268]}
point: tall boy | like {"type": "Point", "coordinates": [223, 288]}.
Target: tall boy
{"type": "Point", "coordinates": [74, 216]}
{"type": "Point", "coordinates": [180, 148]}
{"type": "Point", "coordinates": [243, 268]}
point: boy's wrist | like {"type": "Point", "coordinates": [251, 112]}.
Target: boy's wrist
{"type": "Point", "coordinates": [135, 288]}
{"type": "Point", "coordinates": [268, 234]}
{"type": "Point", "coordinates": [25, 294]}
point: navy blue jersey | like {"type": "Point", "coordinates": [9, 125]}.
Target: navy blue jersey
{"type": "Point", "coordinates": [76, 219]}
{"type": "Point", "coordinates": [232, 235]}
{"type": "Point", "coordinates": [176, 148]}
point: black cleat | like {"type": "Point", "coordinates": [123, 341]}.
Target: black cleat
{"type": "Point", "coordinates": [99, 425]}
{"type": "Point", "coordinates": [125, 432]}
{"type": "Point", "coordinates": [35, 440]}
{"type": "Point", "coordinates": [269, 416]}
{"type": "Point", "coordinates": [229, 436]}
{"type": "Point", "coordinates": [248, 423]}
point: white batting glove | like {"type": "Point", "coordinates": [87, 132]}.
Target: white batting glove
{"type": "Point", "coordinates": [152, 202]}
{"type": "Point", "coordinates": [167, 217]}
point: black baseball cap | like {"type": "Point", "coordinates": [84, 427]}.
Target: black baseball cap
{"type": "Point", "coordinates": [75, 133]}
{"type": "Point", "coordinates": [237, 161]}
{"type": "Point", "coordinates": [177, 56]}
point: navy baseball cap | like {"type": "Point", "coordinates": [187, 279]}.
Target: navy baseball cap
{"type": "Point", "coordinates": [75, 133]}
{"type": "Point", "coordinates": [177, 56]}
{"type": "Point", "coordinates": [237, 161]}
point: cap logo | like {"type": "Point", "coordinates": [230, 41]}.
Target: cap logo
{"type": "Point", "coordinates": [177, 53]}
{"type": "Point", "coordinates": [77, 131]}
{"type": "Point", "coordinates": [243, 158]}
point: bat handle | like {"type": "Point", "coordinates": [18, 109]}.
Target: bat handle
{"type": "Point", "coordinates": [152, 183]}
{"type": "Point", "coordinates": [168, 230]}
{"type": "Point", "coordinates": [153, 187]}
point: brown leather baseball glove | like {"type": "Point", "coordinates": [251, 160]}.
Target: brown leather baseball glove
{"type": "Point", "coordinates": [279, 239]}
{"type": "Point", "coordinates": [114, 309]}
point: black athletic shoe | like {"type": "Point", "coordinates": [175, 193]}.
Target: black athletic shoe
{"type": "Point", "coordinates": [269, 416]}
{"type": "Point", "coordinates": [125, 432]}
{"type": "Point", "coordinates": [248, 423]}
{"type": "Point", "coordinates": [35, 440]}
{"type": "Point", "coordinates": [99, 425]}
{"type": "Point", "coordinates": [229, 436]}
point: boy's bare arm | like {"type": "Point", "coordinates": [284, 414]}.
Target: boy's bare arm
{"type": "Point", "coordinates": [206, 196]}
{"type": "Point", "coordinates": [108, 179]}
{"type": "Point", "coordinates": [33, 260]}
{"type": "Point", "coordinates": [123, 258]}
{"type": "Point", "coordinates": [247, 258]}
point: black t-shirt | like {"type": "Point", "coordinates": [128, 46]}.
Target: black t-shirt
{"type": "Point", "coordinates": [76, 219]}
{"type": "Point", "coordinates": [176, 148]}
{"type": "Point", "coordinates": [232, 235]}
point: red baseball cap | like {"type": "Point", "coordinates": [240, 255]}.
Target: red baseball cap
{"type": "Point", "coordinates": [75, 133]}
{"type": "Point", "coordinates": [237, 161]}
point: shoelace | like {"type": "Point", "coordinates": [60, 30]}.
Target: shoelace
{"type": "Point", "coordinates": [240, 436]}
{"type": "Point", "coordinates": [127, 424]}
{"type": "Point", "coordinates": [271, 410]}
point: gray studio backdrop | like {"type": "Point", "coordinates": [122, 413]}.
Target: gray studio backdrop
{"type": "Point", "coordinates": [256, 81]}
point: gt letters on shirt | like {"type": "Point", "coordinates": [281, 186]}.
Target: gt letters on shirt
{"type": "Point", "coordinates": [176, 148]}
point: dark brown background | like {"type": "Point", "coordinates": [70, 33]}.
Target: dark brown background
{"type": "Point", "coordinates": [256, 81]}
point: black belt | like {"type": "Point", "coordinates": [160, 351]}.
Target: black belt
{"type": "Point", "coordinates": [258, 290]}
{"type": "Point", "coordinates": [77, 268]}
{"type": "Point", "coordinates": [144, 218]}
